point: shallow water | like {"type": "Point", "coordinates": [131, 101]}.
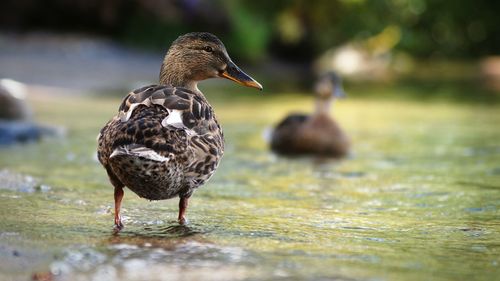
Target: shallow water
{"type": "Point", "coordinates": [418, 199]}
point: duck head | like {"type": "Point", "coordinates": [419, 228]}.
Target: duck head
{"type": "Point", "coordinates": [329, 85]}
{"type": "Point", "coordinates": [197, 56]}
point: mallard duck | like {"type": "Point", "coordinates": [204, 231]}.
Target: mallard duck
{"type": "Point", "coordinates": [316, 134]}
{"type": "Point", "coordinates": [165, 140]}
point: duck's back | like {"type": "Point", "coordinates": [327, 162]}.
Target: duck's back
{"type": "Point", "coordinates": [315, 135]}
{"type": "Point", "coordinates": [283, 137]}
{"type": "Point", "coordinates": [165, 141]}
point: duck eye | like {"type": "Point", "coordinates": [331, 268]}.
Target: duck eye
{"type": "Point", "coordinates": [208, 49]}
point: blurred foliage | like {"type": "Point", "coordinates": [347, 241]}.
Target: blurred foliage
{"type": "Point", "coordinates": [296, 30]}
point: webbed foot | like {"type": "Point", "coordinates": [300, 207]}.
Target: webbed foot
{"type": "Point", "coordinates": [117, 227]}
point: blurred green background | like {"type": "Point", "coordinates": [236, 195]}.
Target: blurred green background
{"type": "Point", "coordinates": [449, 46]}
{"type": "Point", "coordinates": [295, 30]}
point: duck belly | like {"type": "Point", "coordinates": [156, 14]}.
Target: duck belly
{"type": "Point", "coordinates": [147, 173]}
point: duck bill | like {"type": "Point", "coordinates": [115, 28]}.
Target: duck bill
{"type": "Point", "coordinates": [234, 73]}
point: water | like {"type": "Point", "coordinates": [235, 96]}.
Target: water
{"type": "Point", "coordinates": [418, 199]}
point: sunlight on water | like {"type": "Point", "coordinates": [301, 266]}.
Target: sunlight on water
{"type": "Point", "coordinates": [418, 199]}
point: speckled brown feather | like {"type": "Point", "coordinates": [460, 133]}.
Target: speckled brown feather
{"type": "Point", "coordinates": [193, 150]}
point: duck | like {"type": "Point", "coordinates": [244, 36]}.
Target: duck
{"type": "Point", "coordinates": [165, 141]}
{"type": "Point", "coordinates": [315, 134]}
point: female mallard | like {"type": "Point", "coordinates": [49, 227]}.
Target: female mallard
{"type": "Point", "coordinates": [165, 140]}
{"type": "Point", "coordinates": [317, 134]}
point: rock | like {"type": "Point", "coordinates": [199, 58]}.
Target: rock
{"type": "Point", "coordinates": [12, 101]}
{"type": "Point", "coordinates": [15, 116]}
{"type": "Point", "coordinates": [12, 132]}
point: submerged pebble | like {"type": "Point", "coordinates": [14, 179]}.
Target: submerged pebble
{"type": "Point", "coordinates": [84, 259]}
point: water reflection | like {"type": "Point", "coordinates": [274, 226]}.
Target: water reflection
{"type": "Point", "coordinates": [162, 235]}
{"type": "Point", "coordinates": [173, 230]}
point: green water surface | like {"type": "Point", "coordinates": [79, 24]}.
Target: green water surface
{"type": "Point", "coordinates": [418, 199]}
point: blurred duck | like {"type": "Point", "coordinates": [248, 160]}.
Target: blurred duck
{"type": "Point", "coordinates": [316, 134]}
{"type": "Point", "coordinates": [165, 140]}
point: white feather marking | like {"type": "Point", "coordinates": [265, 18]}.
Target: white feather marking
{"type": "Point", "coordinates": [199, 107]}
{"type": "Point", "coordinates": [139, 151]}
{"type": "Point", "coordinates": [158, 101]}
{"type": "Point", "coordinates": [124, 116]}
{"type": "Point", "coordinates": [173, 119]}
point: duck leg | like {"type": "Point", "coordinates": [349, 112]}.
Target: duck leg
{"type": "Point", "coordinates": [118, 185]}
{"type": "Point", "coordinates": [183, 204]}
{"type": "Point", "coordinates": [118, 203]}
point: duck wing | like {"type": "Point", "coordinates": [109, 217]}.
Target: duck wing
{"type": "Point", "coordinates": [164, 123]}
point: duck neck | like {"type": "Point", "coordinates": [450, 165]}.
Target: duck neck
{"type": "Point", "coordinates": [176, 75]}
{"type": "Point", "coordinates": [323, 106]}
